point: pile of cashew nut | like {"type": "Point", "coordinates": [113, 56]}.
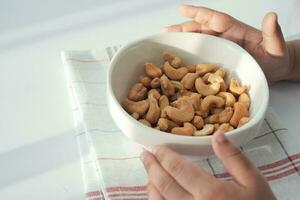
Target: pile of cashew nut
{"type": "Point", "coordinates": [191, 100]}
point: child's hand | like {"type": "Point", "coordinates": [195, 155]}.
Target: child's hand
{"type": "Point", "coordinates": [267, 46]}
{"type": "Point", "coordinates": [171, 177]}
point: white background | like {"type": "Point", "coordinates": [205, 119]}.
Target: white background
{"type": "Point", "coordinates": [38, 151]}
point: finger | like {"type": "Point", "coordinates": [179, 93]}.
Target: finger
{"type": "Point", "coordinates": [153, 193]}
{"type": "Point", "coordinates": [240, 168]}
{"type": "Point", "coordinates": [273, 40]}
{"type": "Point", "coordinates": [173, 28]}
{"type": "Point", "coordinates": [186, 173]}
{"type": "Point", "coordinates": [164, 183]}
{"type": "Point", "coordinates": [189, 11]}
{"type": "Point", "coordinates": [190, 26]}
{"type": "Point", "coordinates": [216, 21]}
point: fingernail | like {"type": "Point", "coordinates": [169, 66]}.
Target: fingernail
{"type": "Point", "coordinates": [165, 29]}
{"type": "Point", "coordinates": [143, 156]}
{"type": "Point", "coordinates": [221, 139]}
{"type": "Point", "coordinates": [155, 149]}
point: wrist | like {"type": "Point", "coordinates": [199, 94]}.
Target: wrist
{"type": "Point", "coordinates": [290, 73]}
{"type": "Point", "coordinates": [285, 67]}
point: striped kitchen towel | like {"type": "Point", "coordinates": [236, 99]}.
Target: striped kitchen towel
{"type": "Point", "coordinates": [110, 161]}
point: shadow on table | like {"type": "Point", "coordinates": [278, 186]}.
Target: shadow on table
{"type": "Point", "coordinates": [37, 158]}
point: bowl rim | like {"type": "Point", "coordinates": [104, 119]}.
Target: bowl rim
{"type": "Point", "coordinates": [253, 121]}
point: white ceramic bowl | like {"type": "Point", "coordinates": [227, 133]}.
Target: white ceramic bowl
{"type": "Point", "coordinates": [127, 65]}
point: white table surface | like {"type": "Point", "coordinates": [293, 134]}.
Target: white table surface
{"type": "Point", "coordinates": [38, 151]}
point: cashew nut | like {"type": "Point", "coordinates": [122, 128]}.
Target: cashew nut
{"type": "Point", "coordinates": [207, 129]}
{"type": "Point", "coordinates": [174, 97]}
{"type": "Point", "coordinates": [205, 77]}
{"type": "Point", "coordinates": [163, 102]}
{"type": "Point", "coordinates": [154, 93]}
{"type": "Point", "coordinates": [138, 92]}
{"type": "Point", "coordinates": [243, 121]}
{"type": "Point", "coordinates": [135, 115]}
{"type": "Point", "coordinates": [216, 110]}
{"type": "Point", "coordinates": [205, 68]}
{"type": "Point", "coordinates": [216, 126]}
{"type": "Point", "coordinates": [225, 115]}
{"type": "Point", "coordinates": [185, 93]}
{"type": "Point", "coordinates": [166, 124]}
{"type": "Point", "coordinates": [191, 68]}
{"type": "Point", "coordinates": [155, 83]}
{"type": "Point", "coordinates": [174, 60]}
{"type": "Point", "coordinates": [244, 99]}
{"type": "Point", "coordinates": [213, 78]}
{"type": "Point", "coordinates": [201, 113]}
{"type": "Point", "coordinates": [228, 97]}
{"type": "Point", "coordinates": [198, 122]}
{"type": "Point", "coordinates": [178, 86]}
{"type": "Point", "coordinates": [212, 119]}
{"type": "Point", "coordinates": [205, 89]}
{"type": "Point", "coordinates": [166, 85]}
{"type": "Point", "coordinates": [176, 102]}
{"type": "Point", "coordinates": [236, 88]}
{"type": "Point", "coordinates": [184, 112]}
{"type": "Point", "coordinates": [153, 113]}
{"type": "Point", "coordinates": [225, 128]}
{"type": "Point", "coordinates": [173, 73]}
{"type": "Point", "coordinates": [188, 129]}
{"type": "Point", "coordinates": [145, 80]}
{"type": "Point", "coordinates": [152, 70]}
{"type": "Point", "coordinates": [194, 99]}
{"type": "Point", "coordinates": [239, 112]}
{"type": "Point", "coordinates": [220, 72]}
{"type": "Point", "coordinates": [188, 81]}
{"type": "Point", "coordinates": [163, 113]}
{"type": "Point", "coordinates": [139, 107]}
{"type": "Point", "coordinates": [212, 101]}
{"type": "Point", "coordinates": [145, 122]}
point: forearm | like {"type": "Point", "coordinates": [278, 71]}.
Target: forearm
{"type": "Point", "coordinates": [294, 50]}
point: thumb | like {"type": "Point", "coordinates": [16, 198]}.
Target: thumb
{"type": "Point", "coordinates": [236, 163]}
{"type": "Point", "coordinates": [273, 40]}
